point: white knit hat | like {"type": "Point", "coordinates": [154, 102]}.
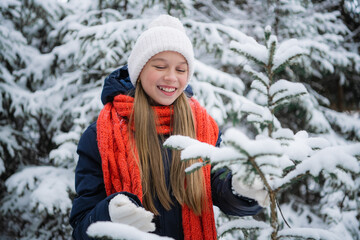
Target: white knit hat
{"type": "Point", "coordinates": [165, 33]}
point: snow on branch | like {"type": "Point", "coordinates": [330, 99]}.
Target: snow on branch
{"type": "Point", "coordinates": [103, 46]}
{"type": "Point", "coordinates": [327, 159]}
{"type": "Point", "coordinates": [219, 78]}
{"type": "Point", "coordinates": [218, 101]}
{"type": "Point", "coordinates": [46, 187]}
{"type": "Point", "coordinates": [194, 149]}
{"type": "Point", "coordinates": [283, 135]}
{"type": "Point", "coordinates": [261, 81]}
{"type": "Point", "coordinates": [213, 34]}
{"type": "Point", "coordinates": [346, 123]}
{"type": "Point", "coordinates": [13, 44]}
{"type": "Point", "coordinates": [111, 230]}
{"type": "Point", "coordinates": [204, 33]}
{"type": "Point", "coordinates": [257, 75]}
{"type": "Point", "coordinates": [301, 146]}
{"type": "Point", "coordinates": [252, 148]}
{"type": "Point", "coordinates": [308, 233]}
{"type": "Point", "coordinates": [257, 113]}
{"type": "Point", "coordinates": [272, 46]}
{"type": "Point", "coordinates": [267, 153]}
{"type": "Point", "coordinates": [179, 142]}
{"type": "Point", "coordinates": [8, 142]}
{"type": "Point", "coordinates": [254, 51]}
{"type": "Point", "coordinates": [287, 51]}
{"type": "Point", "coordinates": [241, 224]}
{"type": "Point", "coordinates": [259, 86]}
{"type": "Point", "coordinates": [283, 91]}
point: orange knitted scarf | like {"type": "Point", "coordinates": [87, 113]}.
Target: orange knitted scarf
{"type": "Point", "coordinates": [120, 169]}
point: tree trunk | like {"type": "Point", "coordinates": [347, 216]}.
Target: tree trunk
{"type": "Point", "coordinates": [274, 220]}
{"type": "Point", "coordinates": [340, 96]}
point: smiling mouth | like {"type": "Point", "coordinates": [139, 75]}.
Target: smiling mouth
{"type": "Point", "coordinates": [167, 89]}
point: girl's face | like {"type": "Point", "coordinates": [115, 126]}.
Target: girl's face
{"type": "Point", "coordinates": [164, 77]}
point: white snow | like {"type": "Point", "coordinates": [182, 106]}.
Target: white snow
{"type": "Point", "coordinates": [298, 149]}
{"type": "Point", "coordinates": [268, 29]}
{"type": "Point", "coordinates": [315, 119]}
{"type": "Point", "coordinates": [265, 146]}
{"type": "Point", "coordinates": [66, 151]}
{"type": "Point", "coordinates": [256, 112]}
{"type": "Point", "coordinates": [193, 149]}
{"type": "Point", "coordinates": [259, 86]}
{"type": "Point", "coordinates": [43, 188]}
{"type": "Point", "coordinates": [283, 133]}
{"type": "Point", "coordinates": [283, 90]}
{"type": "Point", "coordinates": [346, 122]}
{"type": "Point", "coordinates": [120, 231]}
{"type": "Point", "coordinates": [194, 167]}
{"type": "Point", "coordinates": [273, 165]}
{"type": "Point", "coordinates": [241, 224]}
{"type": "Point", "coordinates": [7, 137]}
{"type": "Point", "coordinates": [309, 233]}
{"type": "Point", "coordinates": [285, 51]}
{"type": "Point", "coordinates": [327, 159]}
{"type": "Point", "coordinates": [219, 78]}
{"type": "Point", "coordinates": [254, 50]}
{"type": "Point", "coordinates": [258, 75]}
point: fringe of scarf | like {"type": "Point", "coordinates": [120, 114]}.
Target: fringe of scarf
{"type": "Point", "coordinates": [121, 171]}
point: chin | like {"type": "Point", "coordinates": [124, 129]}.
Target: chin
{"type": "Point", "coordinates": [166, 103]}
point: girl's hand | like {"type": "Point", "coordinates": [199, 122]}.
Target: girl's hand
{"type": "Point", "coordinates": [254, 191]}
{"type": "Point", "coordinates": [123, 210]}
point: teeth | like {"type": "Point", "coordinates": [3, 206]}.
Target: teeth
{"type": "Point", "coordinates": [167, 89]}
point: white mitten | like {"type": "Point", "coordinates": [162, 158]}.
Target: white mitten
{"type": "Point", "coordinates": [123, 210]}
{"type": "Point", "coordinates": [255, 191]}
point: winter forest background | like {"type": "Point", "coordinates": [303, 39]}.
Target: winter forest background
{"type": "Point", "coordinates": [55, 55]}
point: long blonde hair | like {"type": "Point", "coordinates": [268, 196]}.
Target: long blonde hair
{"type": "Point", "coordinates": [187, 189]}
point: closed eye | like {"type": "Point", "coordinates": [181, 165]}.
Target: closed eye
{"type": "Point", "coordinates": [160, 67]}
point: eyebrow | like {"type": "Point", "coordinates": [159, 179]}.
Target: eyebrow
{"type": "Point", "coordinates": [164, 60]}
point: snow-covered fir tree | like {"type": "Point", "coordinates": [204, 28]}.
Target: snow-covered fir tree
{"type": "Point", "coordinates": [278, 157]}
{"type": "Point", "coordinates": [55, 55]}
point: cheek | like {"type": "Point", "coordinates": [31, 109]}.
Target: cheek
{"type": "Point", "coordinates": [184, 80]}
{"type": "Point", "coordinates": [148, 78]}
{"type": "Point", "coordinates": [152, 76]}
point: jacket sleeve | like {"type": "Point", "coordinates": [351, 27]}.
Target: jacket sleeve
{"type": "Point", "coordinates": [91, 203]}
{"type": "Point", "coordinates": [224, 198]}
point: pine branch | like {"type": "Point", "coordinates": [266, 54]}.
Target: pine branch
{"type": "Point", "coordinates": [257, 75]}
{"type": "Point", "coordinates": [283, 100]}
{"type": "Point", "coordinates": [196, 166]}
{"type": "Point", "coordinates": [279, 68]}
{"type": "Point", "coordinates": [307, 233]}
{"type": "Point", "coordinates": [272, 49]}
{"type": "Point", "coordinates": [241, 224]}
{"type": "Point", "coordinates": [298, 178]}
{"type": "Point", "coordinates": [236, 47]}
{"type": "Point", "coordinates": [258, 89]}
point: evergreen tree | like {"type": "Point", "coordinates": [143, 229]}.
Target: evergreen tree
{"type": "Point", "coordinates": [28, 73]}
{"type": "Point", "coordinates": [279, 157]}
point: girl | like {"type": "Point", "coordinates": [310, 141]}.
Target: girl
{"type": "Point", "coordinates": [125, 175]}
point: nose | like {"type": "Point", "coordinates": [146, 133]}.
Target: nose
{"type": "Point", "coordinates": [170, 75]}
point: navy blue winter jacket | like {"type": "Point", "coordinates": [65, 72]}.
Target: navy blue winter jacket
{"type": "Point", "coordinates": [91, 202]}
